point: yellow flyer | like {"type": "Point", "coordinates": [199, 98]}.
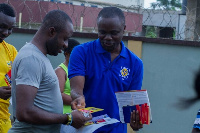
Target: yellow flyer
{"type": "Point", "coordinates": [90, 110]}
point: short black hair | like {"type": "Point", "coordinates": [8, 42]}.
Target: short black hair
{"type": "Point", "coordinates": [71, 44]}
{"type": "Point", "coordinates": [110, 12]}
{"type": "Point", "coordinates": [7, 10]}
{"type": "Point", "coordinates": [56, 19]}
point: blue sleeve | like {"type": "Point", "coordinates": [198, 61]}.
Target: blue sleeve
{"type": "Point", "coordinates": [76, 65]}
{"type": "Point", "coordinates": [137, 77]}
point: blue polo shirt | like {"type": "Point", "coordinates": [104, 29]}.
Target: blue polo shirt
{"type": "Point", "coordinates": [103, 78]}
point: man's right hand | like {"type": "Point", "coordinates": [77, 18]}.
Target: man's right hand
{"type": "Point", "coordinates": [78, 119]}
{"type": "Point", "coordinates": [78, 103]}
{"type": "Point", "coordinates": [5, 92]}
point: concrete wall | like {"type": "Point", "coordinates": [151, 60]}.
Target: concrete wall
{"type": "Point", "coordinates": [169, 72]}
{"type": "Point", "coordinates": [168, 76]}
{"type": "Point", "coordinates": [124, 3]}
{"type": "Point", "coordinates": [159, 18]}
{"type": "Point", "coordinates": [180, 28]}
{"type": "Point", "coordinates": [162, 18]}
{"type": "Point", "coordinates": [120, 2]}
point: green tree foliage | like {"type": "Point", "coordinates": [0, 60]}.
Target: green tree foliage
{"type": "Point", "coordinates": [167, 4]}
{"type": "Point", "coordinates": [151, 32]}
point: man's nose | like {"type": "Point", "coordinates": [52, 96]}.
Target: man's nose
{"type": "Point", "coordinates": [108, 36]}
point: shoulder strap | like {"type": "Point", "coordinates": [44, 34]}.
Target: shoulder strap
{"type": "Point", "coordinates": [64, 67]}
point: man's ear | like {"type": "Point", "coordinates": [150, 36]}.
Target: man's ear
{"type": "Point", "coordinates": [124, 27]}
{"type": "Point", "coordinates": [52, 31]}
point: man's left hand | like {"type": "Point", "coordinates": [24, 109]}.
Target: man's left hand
{"type": "Point", "coordinates": [135, 121]}
{"type": "Point", "coordinates": [5, 92]}
{"type": "Point", "coordinates": [78, 103]}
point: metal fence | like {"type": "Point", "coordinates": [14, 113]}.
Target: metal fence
{"type": "Point", "coordinates": [140, 21]}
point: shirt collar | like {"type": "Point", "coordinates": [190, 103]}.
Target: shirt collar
{"type": "Point", "coordinates": [123, 51]}
{"type": "Point", "coordinates": [99, 48]}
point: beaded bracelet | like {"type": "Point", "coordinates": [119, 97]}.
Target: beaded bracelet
{"type": "Point", "coordinates": [70, 119]}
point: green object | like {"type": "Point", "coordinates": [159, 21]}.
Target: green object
{"type": "Point", "coordinates": [67, 90]}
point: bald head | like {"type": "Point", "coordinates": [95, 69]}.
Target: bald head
{"type": "Point", "coordinates": [56, 19]}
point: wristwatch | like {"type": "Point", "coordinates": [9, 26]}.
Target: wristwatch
{"type": "Point", "coordinates": [69, 118]}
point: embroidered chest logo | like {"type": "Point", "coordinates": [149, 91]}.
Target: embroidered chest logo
{"type": "Point", "coordinates": [124, 72]}
{"type": "Point", "coordinates": [9, 64]}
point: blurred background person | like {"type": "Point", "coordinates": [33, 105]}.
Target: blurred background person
{"type": "Point", "coordinates": [188, 102]}
{"type": "Point", "coordinates": [62, 73]}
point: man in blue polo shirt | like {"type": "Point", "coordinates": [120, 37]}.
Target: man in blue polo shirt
{"type": "Point", "coordinates": [100, 68]}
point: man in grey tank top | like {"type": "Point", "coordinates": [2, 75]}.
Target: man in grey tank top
{"type": "Point", "coordinates": [36, 97]}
